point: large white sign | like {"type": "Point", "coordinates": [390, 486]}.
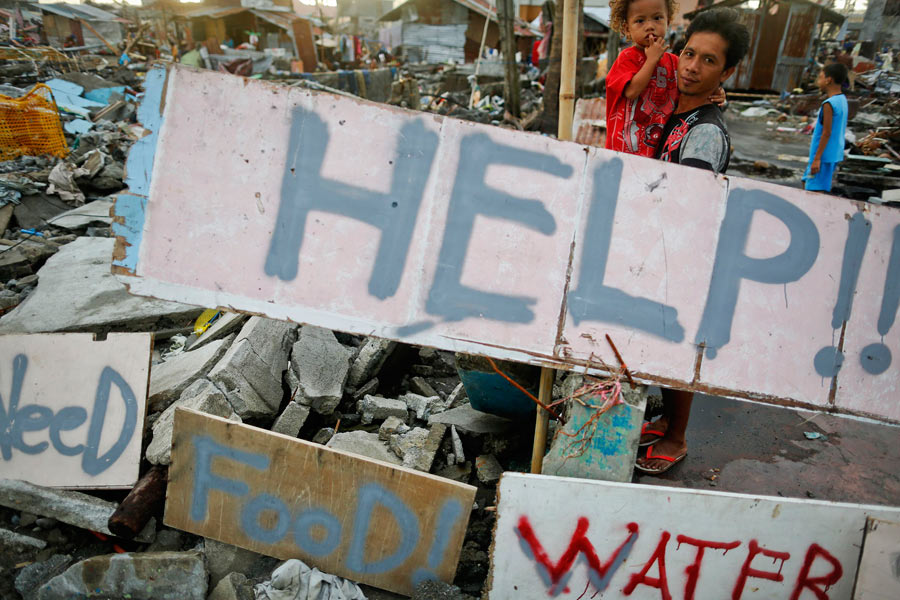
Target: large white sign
{"type": "Point", "coordinates": [364, 218]}
{"type": "Point", "coordinates": [575, 538]}
{"type": "Point", "coordinates": [72, 409]}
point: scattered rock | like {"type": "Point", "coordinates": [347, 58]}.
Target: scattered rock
{"type": "Point", "coordinates": [12, 540]}
{"type": "Point", "coordinates": [368, 388]}
{"type": "Point", "coordinates": [364, 444]}
{"type": "Point", "coordinates": [488, 469]}
{"type": "Point", "coordinates": [420, 386]}
{"type": "Point", "coordinates": [135, 575]}
{"type": "Point", "coordinates": [468, 420]}
{"type": "Point", "coordinates": [458, 451]}
{"type": "Point", "coordinates": [250, 372]}
{"type": "Point", "coordinates": [291, 419]}
{"type": "Point", "coordinates": [422, 406]}
{"type": "Point", "coordinates": [167, 540]}
{"type": "Point", "coordinates": [459, 473]}
{"type": "Point", "coordinates": [320, 364]}
{"type": "Point", "coordinates": [224, 559]}
{"type": "Point", "coordinates": [20, 258]}
{"type": "Point", "coordinates": [224, 326]}
{"type": "Point", "coordinates": [376, 408]}
{"type": "Point", "coordinates": [77, 292]}
{"type": "Point", "coordinates": [457, 397]}
{"type": "Point", "coordinates": [170, 378]}
{"type": "Point", "coordinates": [89, 214]}
{"type": "Point", "coordinates": [33, 576]}
{"type": "Point", "coordinates": [234, 586]}
{"type": "Point", "coordinates": [432, 589]}
{"type": "Point", "coordinates": [323, 435]}
{"type": "Point", "coordinates": [201, 395]}
{"type": "Point", "coordinates": [391, 426]}
{"type": "Point", "coordinates": [369, 361]}
{"type": "Point", "coordinates": [419, 446]}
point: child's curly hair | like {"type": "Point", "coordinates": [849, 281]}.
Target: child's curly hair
{"type": "Point", "coordinates": [618, 13]}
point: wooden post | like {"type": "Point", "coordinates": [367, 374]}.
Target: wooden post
{"type": "Point", "coordinates": [487, 22]}
{"type": "Point", "coordinates": [567, 77]}
{"type": "Point", "coordinates": [508, 47]}
{"type": "Point", "coordinates": [612, 49]}
{"type": "Point", "coordinates": [542, 419]}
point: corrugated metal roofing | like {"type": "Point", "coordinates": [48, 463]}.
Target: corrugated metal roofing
{"type": "Point", "coordinates": [78, 11]}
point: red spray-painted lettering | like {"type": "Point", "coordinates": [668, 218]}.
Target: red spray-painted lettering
{"type": "Point", "coordinates": [693, 570]}
{"type": "Point", "coordinates": [805, 582]}
{"type": "Point", "coordinates": [661, 583]}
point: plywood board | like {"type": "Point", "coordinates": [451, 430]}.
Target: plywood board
{"type": "Point", "coordinates": [879, 568]}
{"type": "Point", "coordinates": [570, 538]}
{"type": "Point", "coordinates": [72, 409]}
{"type": "Point", "coordinates": [366, 520]}
{"type": "Point", "coordinates": [472, 238]}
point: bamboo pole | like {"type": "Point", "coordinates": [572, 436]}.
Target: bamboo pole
{"type": "Point", "coordinates": [542, 419]}
{"type": "Point", "coordinates": [508, 44]}
{"type": "Point", "coordinates": [567, 76]}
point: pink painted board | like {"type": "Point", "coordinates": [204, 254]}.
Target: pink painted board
{"type": "Point", "coordinates": [655, 254]}
{"type": "Point", "coordinates": [858, 389]}
{"type": "Point", "coordinates": [778, 328]}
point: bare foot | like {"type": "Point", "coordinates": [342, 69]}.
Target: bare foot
{"type": "Point", "coordinates": [664, 447]}
{"type": "Point", "coordinates": [660, 425]}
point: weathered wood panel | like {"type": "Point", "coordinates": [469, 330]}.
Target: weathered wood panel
{"type": "Point", "coordinates": [386, 526]}
{"type": "Point", "coordinates": [72, 409]}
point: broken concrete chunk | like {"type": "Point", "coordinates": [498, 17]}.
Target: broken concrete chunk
{"type": "Point", "coordinates": [136, 575]}
{"type": "Point", "coordinates": [250, 372]}
{"type": "Point", "coordinates": [21, 258]}
{"type": "Point", "coordinates": [470, 421]}
{"type": "Point", "coordinates": [77, 292]}
{"type": "Point", "coordinates": [170, 378]}
{"type": "Point", "coordinates": [11, 540]}
{"type": "Point", "coordinates": [459, 473]}
{"type": "Point", "coordinates": [458, 452]}
{"type": "Point", "coordinates": [369, 361]}
{"type": "Point", "coordinates": [33, 576]}
{"type": "Point", "coordinates": [73, 508]}
{"type": "Point", "coordinates": [423, 406]}
{"type": "Point", "coordinates": [368, 388]}
{"type": "Point", "coordinates": [89, 214]}
{"type": "Point", "coordinates": [234, 586]}
{"type": "Point", "coordinates": [420, 385]}
{"type": "Point", "coordinates": [419, 446]}
{"type": "Point", "coordinates": [364, 444]}
{"type": "Point", "coordinates": [225, 325]}
{"type": "Point", "coordinates": [488, 469]}
{"type": "Point", "coordinates": [376, 408]}
{"type": "Point", "coordinates": [320, 364]}
{"type": "Point", "coordinates": [391, 426]}
{"type": "Point", "coordinates": [224, 559]}
{"type": "Point", "coordinates": [323, 435]}
{"type": "Point", "coordinates": [291, 419]}
{"type": "Point", "coordinates": [201, 395]}
{"type": "Point", "coordinates": [457, 397]}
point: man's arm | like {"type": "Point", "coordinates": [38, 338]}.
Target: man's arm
{"type": "Point", "coordinates": [827, 117]}
{"type": "Point", "coordinates": [704, 147]}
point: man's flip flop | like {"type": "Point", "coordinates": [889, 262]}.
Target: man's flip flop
{"type": "Point", "coordinates": [671, 460]}
{"type": "Point", "coordinates": [645, 430]}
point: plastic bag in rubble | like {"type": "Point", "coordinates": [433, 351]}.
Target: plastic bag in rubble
{"type": "Point", "coordinates": [293, 580]}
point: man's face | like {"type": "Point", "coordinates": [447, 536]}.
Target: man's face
{"type": "Point", "coordinates": [701, 66]}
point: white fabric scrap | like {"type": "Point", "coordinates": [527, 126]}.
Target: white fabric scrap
{"type": "Point", "coordinates": [293, 580]}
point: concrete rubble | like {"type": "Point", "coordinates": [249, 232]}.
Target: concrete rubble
{"type": "Point", "coordinates": [319, 369]}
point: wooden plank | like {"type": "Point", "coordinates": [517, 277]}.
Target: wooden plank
{"type": "Point", "coordinates": [569, 538]}
{"type": "Point", "coordinates": [488, 241]}
{"type": "Point", "coordinates": [879, 568]}
{"type": "Point", "coordinates": [369, 521]}
{"type": "Point", "coordinates": [304, 41]}
{"type": "Point", "coordinates": [72, 409]}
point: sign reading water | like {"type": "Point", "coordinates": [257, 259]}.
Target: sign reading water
{"type": "Point", "coordinates": [72, 409]}
{"type": "Point", "coordinates": [437, 232]}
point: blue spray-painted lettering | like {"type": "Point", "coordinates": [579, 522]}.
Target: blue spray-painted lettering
{"type": "Point", "coordinates": [317, 517]}
{"type": "Point", "coordinates": [16, 420]}
{"type": "Point", "coordinates": [303, 190]}
{"type": "Point", "coordinates": [205, 450]}
{"type": "Point", "coordinates": [876, 358]}
{"type": "Point", "coordinates": [447, 297]}
{"type": "Point", "coordinates": [592, 300]}
{"type": "Point", "coordinates": [450, 514]}
{"type": "Point", "coordinates": [732, 264]}
{"type": "Point", "coordinates": [250, 519]}
{"type": "Point", "coordinates": [371, 495]}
